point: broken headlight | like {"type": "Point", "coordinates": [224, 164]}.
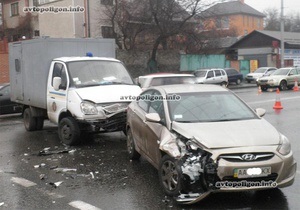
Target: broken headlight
{"type": "Point", "coordinates": [88, 108]}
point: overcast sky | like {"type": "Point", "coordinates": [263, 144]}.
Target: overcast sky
{"type": "Point", "coordinates": [290, 6]}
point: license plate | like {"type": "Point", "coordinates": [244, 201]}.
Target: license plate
{"type": "Point", "coordinates": [251, 172]}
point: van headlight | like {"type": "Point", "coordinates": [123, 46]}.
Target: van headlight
{"type": "Point", "coordinates": [284, 147]}
{"type": "Point", "coordinates": [88, 108]}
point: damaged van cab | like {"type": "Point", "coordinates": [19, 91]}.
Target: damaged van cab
{"type": "Point", "coordinates": [205, 139]}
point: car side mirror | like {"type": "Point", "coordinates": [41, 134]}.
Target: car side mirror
{"type": "Point", "coordinates": [260, 112]}
{"type": "Point", "coordinates": [56, 83]}
{"type": "Point", "coordinates": [153, 117]}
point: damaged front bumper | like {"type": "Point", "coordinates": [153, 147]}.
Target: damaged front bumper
{"type": "Point", "coordinates": [109, 118]}
{"type": "Point", "coordinates": [216, 170]}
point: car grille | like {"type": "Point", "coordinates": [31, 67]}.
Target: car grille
{"type": "Point", "coordinates": [249, 76]}
{"type": "Point", "coordinates": [271, 177]}
{"type": "Point", "coordinates": [263, 80]}
{"type": "Point", "coordinates": [115, 107]}
{"type": "Point", "coordinates": [240, 157]}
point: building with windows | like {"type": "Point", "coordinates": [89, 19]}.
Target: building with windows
{"type": "Point", "coordinates": [232, 16]}
{"type": "Point", "coordinates": [18, 24]}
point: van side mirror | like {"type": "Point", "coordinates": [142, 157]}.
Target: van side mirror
{"type": "Point", "coordinates": [56, 83]}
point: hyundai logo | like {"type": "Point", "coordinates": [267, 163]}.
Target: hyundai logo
{"type": "Point", "coordinates": [248, 157]}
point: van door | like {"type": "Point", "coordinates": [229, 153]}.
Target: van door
{"type": "Point", "coordinates": [57, 99]}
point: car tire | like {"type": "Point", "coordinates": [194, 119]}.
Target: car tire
{"type": "Point", "coordinates": [29, 120]}
{"type": "Point", "coordinates": [224, 84]}
{"type": "Point", "coordinates": [170, 176]}
{"type": "Point", "coordinates": [39, 123]}
{"type": "Point", "coordinates": [283, 85]}
{"type": "Point", "coordinates": [68, 131]}
{"type": "Point", "coordinates": [238, 81]}
{"type": "Point", "coordinates": [133, 154]}
{"type": "Point", "coordinates": [263, 88]}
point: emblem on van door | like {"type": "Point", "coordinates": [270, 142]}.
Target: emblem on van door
{"type": "Point", "coordinates": [248, 157]}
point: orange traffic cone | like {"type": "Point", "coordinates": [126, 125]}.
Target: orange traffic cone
{"type": "Point", "coordinates": [296, 88]}
{"type": "Point", "coordinates": [277, 104]}
{"type": "Point", "coordinates": [259, 90]}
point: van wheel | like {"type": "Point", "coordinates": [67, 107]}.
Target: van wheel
{"type": "Point", "coordinates": [238, 81]}
{"type": "Point", "coordinates": [39, 123]}
{"type": "Point", "coordinates": [68, 131]}
{"type": "Point", "coordinates": [29, 121]}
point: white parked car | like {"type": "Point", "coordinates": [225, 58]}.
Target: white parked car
{"type": "Point", "coordinates": [258, 73]}
{"type": "Point", "coordinates": [165, 79]}
{"type": "Point", "coordinates": [212, 76]}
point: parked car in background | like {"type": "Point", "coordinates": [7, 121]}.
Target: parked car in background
{"type": "Point", "coordinates": [211, 76]}
{"type": "Point", "coordinates": [6, 105]}
{"type": "Point", "coordinates": [191, 143]}
{"type": "Point", "coordinates": [283, 78]}
{"type": "Point", "coordinates": [234, 76]}
{"type": "Point", "coordinates": [165, 79]}
{"type": "Point", "coordinates": [260, 72]}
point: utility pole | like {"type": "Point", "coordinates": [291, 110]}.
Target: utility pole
{"type": "Point", "coordinates": [282, 36]}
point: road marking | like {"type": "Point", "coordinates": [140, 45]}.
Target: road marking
{"type": "Point", "coordinates": [267, 101]}
{"type": "Point", "coordinates": [23, 182]}
{"type": "Point", "coordinates": [82, 205]}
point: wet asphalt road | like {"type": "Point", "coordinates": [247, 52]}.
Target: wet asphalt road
{"type": "Point", "coordinates": [101, 176]}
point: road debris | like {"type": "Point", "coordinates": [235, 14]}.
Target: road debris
{"type": "Point", "coordinates": [63, 170]}
{"type": "Point", "coordinates": [48, 151]}
{"type": "Point", "coordinates": [55, 184]}
{"type": "Point", "coordinates": [2, 203]}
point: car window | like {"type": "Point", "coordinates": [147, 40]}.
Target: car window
{"type": "Point", "coordinates": [156, 106]}
{"type": "Point", "coordinates": [5, 91]}
{"type": "Point", "coordinates": [200, 73]}
{"type": "Point", "coordinates": [293, 72]}
{"type": "Point", "coordinates": [209, 107]}
{"type": "Point", "coordinates": [218, 73]}
{"type": "Point", "coordinates": [144, 100]}
{"type": "Point", "coordinates": [210, 74]}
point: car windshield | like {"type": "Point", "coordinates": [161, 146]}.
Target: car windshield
{"type": "Point", "coordinates": [201, 73]}
{"type": "Point", "coordinates": [172, 80]}
{"type": "Point", "coordinates": [93, 73]}
{"type": "Point", "coordinates": [260, 70]}
{"type": "Point", "coordinates": [281, 71]}
{"type": "Point", "coordinates": [209, 107]}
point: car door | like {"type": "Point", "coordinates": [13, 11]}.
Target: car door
{"type": "Point", "coordinates": [210, 77]}
{"type": "Point", "coordinates": [138, 119]}
{"type": "Point", "coordinates": [292, 77]}
{"type": "Point", "coordinates": [152, 130]}
{"type": "Point", "coordinates": [5, 103]}
{"type": "Point", "coordinates": [57, 99]}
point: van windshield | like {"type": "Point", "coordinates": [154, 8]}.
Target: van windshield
{"type": "Point", "coordinates": [95, 72]}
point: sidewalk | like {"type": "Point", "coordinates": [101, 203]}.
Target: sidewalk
{"type": "Point", "coordinates": [242, 85]}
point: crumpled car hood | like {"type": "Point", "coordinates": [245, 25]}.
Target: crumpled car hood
{"type": "Point", "coordinates": [256, 132]}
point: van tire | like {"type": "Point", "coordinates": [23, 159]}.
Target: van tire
{"type": "Point", "coordinates": [68, 131]}
{"type": "Point", "coordinates": [29, 120]}
{"type": "Point", "coordinates": [39, 123]}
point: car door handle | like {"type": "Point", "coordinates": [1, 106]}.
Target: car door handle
{"type": "Point", "coordinates": [52, 97]}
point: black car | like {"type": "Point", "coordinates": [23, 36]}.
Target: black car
{"type": "Point", "coordinates": [6, 105]}
{"type": "Point", "coordinates": [234, 76]}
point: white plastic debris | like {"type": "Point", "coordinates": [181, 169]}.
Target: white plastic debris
{"type": "Point", "coordinates": [2, 203]}
{"type": "Point", "coordinates": [57, 183]}
{"type": "Point", "coordinates": [92, 175]}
